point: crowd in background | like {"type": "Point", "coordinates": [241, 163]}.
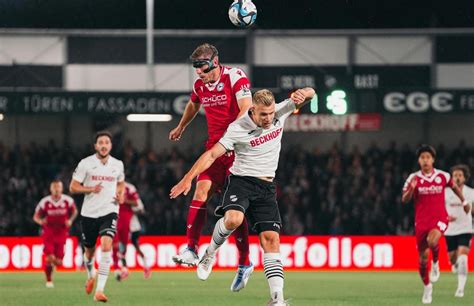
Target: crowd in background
{"type": "Point", "coordinates": [319, 192]}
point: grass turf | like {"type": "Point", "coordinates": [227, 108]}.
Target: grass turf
{"type": "Point", "coordinates": [183, 288]}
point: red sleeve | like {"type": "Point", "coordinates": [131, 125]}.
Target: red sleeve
{"type": "Point", "coordinates": [406, 186]}
{"type": "Point", "coordinates": [242, 84]}
{"type": "Point", "coordinates": [194, 97]}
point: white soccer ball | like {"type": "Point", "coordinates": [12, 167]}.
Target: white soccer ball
{"type": "Point", "coordinates": [242, 13]}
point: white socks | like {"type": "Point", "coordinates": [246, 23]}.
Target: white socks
{"type": "Point", "coordinates": [273, 269]}
{"type": "Point", "coordinates": [104, 269]}
{"type": "Point", "coordinates": [219, 236]}
{"type": "Point", "coordinates": [89, 265]}
{"type": "Point", "coordinates": [462, 271]}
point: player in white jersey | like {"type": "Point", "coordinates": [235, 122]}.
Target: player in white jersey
{"type": "Point", "coordinates": [101, 178]}
{"type": "Point", "coordinates": [459, 233]}
{"type": "Point", "coordinates": [255, 138]}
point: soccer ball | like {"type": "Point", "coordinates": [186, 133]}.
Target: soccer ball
{"type": "Point", "coordinates": [242, 13]}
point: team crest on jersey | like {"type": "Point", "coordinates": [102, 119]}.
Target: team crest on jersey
{"type": "Point", "coordinates": [438, 180]}
{"type": "Point", "coordinates": [220, 86]}
{"type": "Point", "coordinates": [422, 181]}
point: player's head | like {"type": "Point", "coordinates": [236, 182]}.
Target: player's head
{"type": "Point", "coordinates": [460, 174]}
{"type": "Point", "coordinates": [263, 108]}
{"type": "Point", "coordinates": [205, 59]}
{"type": "Point", "coordinates": [103, 143]}
{"type": "Point", "coordinates": [56, 188]}
{"type": "Point", "coordinates": [426, 156]}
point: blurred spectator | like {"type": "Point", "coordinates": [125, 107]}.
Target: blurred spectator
{"type": "Point", "coordinates": [318, 192]}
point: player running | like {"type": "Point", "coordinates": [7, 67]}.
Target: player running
{"type": "Point", "coordinates": [459, 233]}
{"type": "Point", "coordinates": [256, 139]}
{"type": "Point", "coordinates": [123, 231]}
{"type": "Point", "coordinates": [224, 92]}
{"type": "Point", "coordinates": [101, 178]}
{"type": "Point", "coordinates": [427, 188]}
{"type": "Point", "coordinates": [55, 213]}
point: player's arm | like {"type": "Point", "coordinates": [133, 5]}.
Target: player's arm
{"type": "Point", "coordinates": [466, 205]}
{"type": "Point", "coordinates": [132, 203]}
{"type": "Point", "coordinates": [72, 217]}
{"type": "Point", "coordinates": [303, 96]}
{"type": "Point", "coordinates": [76, 187]}
{"type": "Point", "coordinates": [190, 112]}
{"type": "Point", "coordinates": [202, 164]}
{"type": "Point", "coordinates": [409, 190]}
{"type": "Point", "coordinates": [244, 105]}
{"type": "Point", "coordinates": [39, 219]}
{"type": "Point", "coordinates": [120, 193]}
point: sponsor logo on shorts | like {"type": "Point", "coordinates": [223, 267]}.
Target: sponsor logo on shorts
{"type": "Point", "coordinates": [276, 225]}
{"type": "Point", "coordinates": [233, 198]}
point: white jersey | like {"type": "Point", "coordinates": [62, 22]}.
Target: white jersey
{"type": "Point", "coordinates": [463, 222]}
{"type": "Point", "coordinates": [90, 172]}
{"type": "Point", "coordinates": [257, 150]}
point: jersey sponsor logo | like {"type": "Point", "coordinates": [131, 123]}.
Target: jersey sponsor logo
{"type": "Point", "coordinates": [265, 138]}
{"type": "Point", "coordinates": [430, 190]}
{"type": "Point", "coordinates": [57, 212]}
{"type": "Point", "coordinates": [215, 98]}
{"type": "Point", "coordinates": [103, 178]}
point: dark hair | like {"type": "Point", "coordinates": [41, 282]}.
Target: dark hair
{"type": "Point", "coordinates": [464, 169]}
{"type": "Point", "coordinates": [56, 180]}
{"type": "Point", "coordinates": [426, 148]}
{"type": "Point", "coordinates": [102, 133]}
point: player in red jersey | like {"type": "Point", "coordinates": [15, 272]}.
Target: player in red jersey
{"type": "Point", "coordinates": [123, 230]}
{"type": "Point", "coordinates": [224, 92]}
{"type": "Point", "coordinates": [427, 188]}
{"type": "Point", "coordinates": [55, 213]}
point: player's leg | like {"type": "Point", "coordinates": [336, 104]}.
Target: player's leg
{"type": "Point", "coordinates": [452, 246]}
{"type": "Point", "coordinates": [107, 231]}
{"type": "Point", "coordinates": [115, 257]}
{"type": "Point", "coordinates": [433, 243]}
{"type": "Point", "coordinates": [135, 239]}
{"type": "Point", "coordinates": [48, 270]}
{"type": "Point", "coordinates": [124, 234]}
{"type": "Point", "coordinates": [197, 217]}
{"type": "Point", "coordinates": [423, 256]}
{"type": "Point", "coordinates": [464, 242]}
{"type": "Point", "coordinates": [273, 266]}
{"type": "Point", "coordinates": [89, 234]}
{"type": "Point", "coordinates": [222, 230]}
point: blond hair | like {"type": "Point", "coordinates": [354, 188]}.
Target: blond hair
{"type": "Point", "coordinates": [263, 97]}
{"type": "Point", "coordinates": [204, 49]}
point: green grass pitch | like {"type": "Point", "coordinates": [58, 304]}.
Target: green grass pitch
{"type": "Point", "coordinates": [183, 288]}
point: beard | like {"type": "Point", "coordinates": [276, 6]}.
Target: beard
{"type": "Point", "coordinates": [103, 155]}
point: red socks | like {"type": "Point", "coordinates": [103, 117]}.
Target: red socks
{"type": "Point", "coordinates": [197, 217]}
{"type": "Point", "coordinates": [241, 235]}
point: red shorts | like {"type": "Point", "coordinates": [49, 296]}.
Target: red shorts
{"type": "Point", "coordinates": [54, 246]}
{"type": "Point", "coordinates": [422, 233]}
{"type": "Point", "coordinates": [218, 171]}
{"type": "Point", "coordinates": [123, 229]}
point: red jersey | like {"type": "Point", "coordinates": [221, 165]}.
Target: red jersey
{"type": "Point", "coordinates": [131, 194]}
{"type": "Point", "coordinates": [429, 197]}
{"type": "Point", "coordinates": [56, 214]}
{"type": "Point", "coordinates": [219, 100]}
